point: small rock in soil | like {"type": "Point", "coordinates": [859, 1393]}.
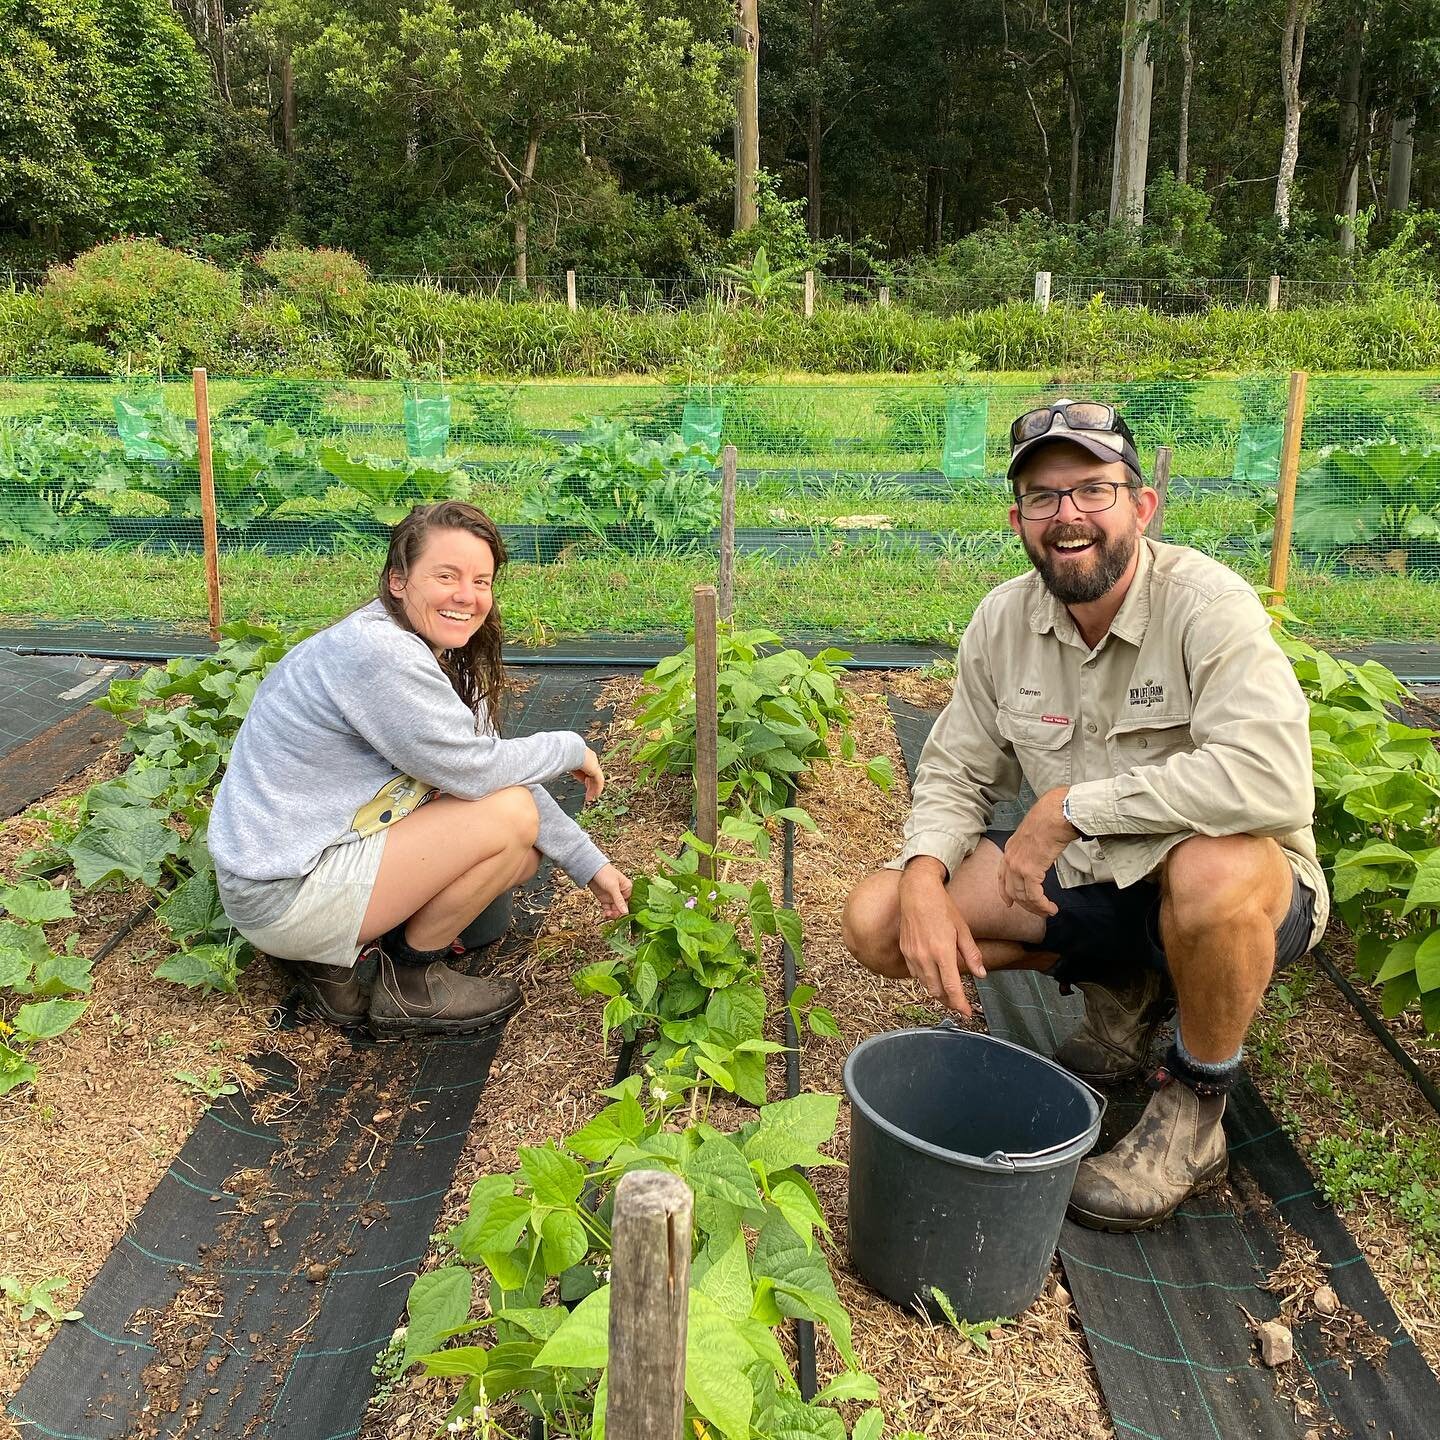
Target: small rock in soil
{"type": "Point", "coordinates": [1277, 1344]}
{"type": "Point", "coordinates": [316, 1273]}
{"type": "Point", "coordinates": [1327, 1302]}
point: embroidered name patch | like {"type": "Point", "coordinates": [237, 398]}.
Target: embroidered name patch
{"type": "Point", "coordinates": [1056, 719]}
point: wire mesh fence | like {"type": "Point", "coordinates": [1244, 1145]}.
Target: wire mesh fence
{"type": "Point", "coordinates": [874, 511]}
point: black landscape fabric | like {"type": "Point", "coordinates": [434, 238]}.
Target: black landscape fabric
{"type": "Point", "coordinates": [1165, 1310]}
{"type": "Point", "coordinates": [273, 1259]}
{"type": "Point", "coordinates": [38, 690]}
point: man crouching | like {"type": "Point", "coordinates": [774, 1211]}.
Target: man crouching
{"type": "Point", "coordinates": [1168, 862]}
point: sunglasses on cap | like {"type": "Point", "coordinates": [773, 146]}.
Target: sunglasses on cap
{"type": "Point", "coordinates": [1077, 415]}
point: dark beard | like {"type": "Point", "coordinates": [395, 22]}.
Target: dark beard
{"type": "Point", "coordinates": [1077, 586]}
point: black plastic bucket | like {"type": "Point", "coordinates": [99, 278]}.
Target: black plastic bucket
{"type": "Point", "coordinates": [963, 1151]}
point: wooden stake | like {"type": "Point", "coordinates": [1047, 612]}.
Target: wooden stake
{"type": "Point", "coordinates": [1273, 300]}
{"type": "Point", "coordinates": [1289, 475]}
{"type": "Point", "coordinates": [570, 299]}
{"type": "Point", "coordinates": [649, 1301]}
{"type": "Point", "coordinates": [1160, 484]}
{"type": "Point", "coordinates": [884, 297]}
{"type": "Point", "coordinates": [727, 533]}
{"type": "Point", "coordinates": [1042, 290]}
{"type": "Point", "coordinates": [809, 293]}
{"type": "Point", "coordinates": [207, 499]}
{"type": "Point", "coordinates": [707, 741]}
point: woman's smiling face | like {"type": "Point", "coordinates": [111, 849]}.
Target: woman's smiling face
{"type": "Point", "coordinates": [448, 592]}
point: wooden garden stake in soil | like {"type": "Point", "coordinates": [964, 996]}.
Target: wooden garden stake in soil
{"type": "Point", "coordinates": [207, 499]}
{"type": "Point", "coordinates": [1289, 473]}
{"type": "Point", "coordinates": [707, 742]}
{"type": "Point", "coordinates": [1160, 483]}
{"type": "Point", "coordinates": [649, 1298]}
{"type": "Point", "coordinates": [570, 291]}
{"type": "Point", "coordinates": [809, 293]}
{"type": "Point", "coordinates": [727, 533]}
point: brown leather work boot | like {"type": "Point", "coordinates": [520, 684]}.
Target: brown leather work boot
{"type": "Point", "coordinates": [1121, 1021]}
{"type": "Point", "coordinates": [334, 992]}
{"type": "Point", "coordinates": [433, 999]}
{"type": "Point", "coordinates": [1177, 1148]}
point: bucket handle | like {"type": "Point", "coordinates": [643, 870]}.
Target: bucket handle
{"type": "Point", "coordinates": [1001, 1157]}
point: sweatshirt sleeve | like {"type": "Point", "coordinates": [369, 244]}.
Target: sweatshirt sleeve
{"type": "Point", "coordinates": [564, 842]}
{"type": "Point", "coordinates": [966, 765]}
{"type": "Point", "coordinates": [1250, 771]}
{"type": "Point", "coordinates": [396, 697]}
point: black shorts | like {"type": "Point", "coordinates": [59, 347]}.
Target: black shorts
{"type": "Point", "coordinates": [1101, 931]}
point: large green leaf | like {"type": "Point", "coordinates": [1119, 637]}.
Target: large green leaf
{"type": "Point", "coordinates": [48, 1019]}
{"type": "Point", "coordinates": [193, 909]}
{"type": "Point", "coordinates": [36, 902]}
{"type": "Point", "coordinates": [583, 1339]}
{"type": "Point", "coordinates": [15, 1069]}
{"type": "Point", "coordinates": [716, 1354]}
{"type": "Point", "coordinates": [63, 974]}
{"type": "Point", "coordinates": [438, 1302]}
{"type": "Point", "coordinates": [22, 947]}
{"type": "Point", "coordinates": [562, 1241]}
{"type": "Point", "coordinates": [554, 1178]}
{"type": "Point", "coordinates": [790, 1132]}
{"type": "Point", "coordinates": [719, 1169]}
{"type": "Point", "coordinates": [122, 843]}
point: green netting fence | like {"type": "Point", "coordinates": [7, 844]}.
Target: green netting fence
{"type": "Point", "coordinates": [868, 510]}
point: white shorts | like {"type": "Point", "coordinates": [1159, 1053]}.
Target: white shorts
{"type": "Point", "coordinates": [322, 925]}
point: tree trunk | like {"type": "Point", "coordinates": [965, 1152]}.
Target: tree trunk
{"type": "Point", "coordinates": [747, 114]}
{"type": "Point", "coordinates": [1402, 150]}
{"type": "Point", "coordinates": [814, 131]}
{"type": "Point", "coordinates": [1292, 54]}
{"type": "Point", "coordinates": [1076, 114]}
{"type": "Point", "coordinates": [1187, 80]}
{"type": "Point", "coordinates": [1348, 191]}
{"type": "Point", "coordinates": [522, 228]}
{"type": "Point", "coordinates": [287, 106]}
{"type": "Point", "coordinates": [1132, 120]}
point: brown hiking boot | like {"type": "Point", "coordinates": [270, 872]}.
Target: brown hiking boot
{"type": "Point", "coordinates": [334, 992]}
{"type": "Point", "coordinates": [433, 999]}
{"type": "Point", "coordinates": [1113, 1041]}
{"type": "Point", "coordinates": [1177, 1148]}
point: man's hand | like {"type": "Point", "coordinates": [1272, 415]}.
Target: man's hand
{"type": "Point", "coordinates": [935, 941]}
{"type": "Point", "coordinates": [592, 776]}
{"type": "Point", "coordinates": [611, 887]}
{"type": "Point", "coordinates": [1032, 850]}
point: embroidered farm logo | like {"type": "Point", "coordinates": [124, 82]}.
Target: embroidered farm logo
{"type": "Point", "coordinates": [1147, 694]}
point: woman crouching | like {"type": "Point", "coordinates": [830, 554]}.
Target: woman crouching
{"type": "Point", "coordinates": [370, 801]}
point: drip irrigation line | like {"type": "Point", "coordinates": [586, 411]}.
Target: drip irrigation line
{"type": "Point", "coordinates": [145, 909]}
{"type": "Point", "coordinates": [1381, 1031]}
{"type": "Point", "coordinates": [804, 1329]}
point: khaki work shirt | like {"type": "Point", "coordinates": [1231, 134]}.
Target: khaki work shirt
{"type": "Point", "coordinates": [1186, 719]}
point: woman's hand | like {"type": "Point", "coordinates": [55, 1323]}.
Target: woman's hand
{"type": "Point", "coordinates": [593, 778]}
{"type": "Point", "coordinates": [611, 887]}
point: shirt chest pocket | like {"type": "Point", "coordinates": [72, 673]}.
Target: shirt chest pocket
{"type": "Point", "coordinates": [1147, 740]}
{"type": "Point", "coordinates": [1041, 744]}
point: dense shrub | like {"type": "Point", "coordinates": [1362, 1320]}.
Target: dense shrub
{"type": "Point", "coordinates": [318, 280]}
{"type": "Point", "coordinates": [145, 303]}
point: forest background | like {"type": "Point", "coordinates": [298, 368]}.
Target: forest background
{"type": "Point", "coordinates": [970, 139]}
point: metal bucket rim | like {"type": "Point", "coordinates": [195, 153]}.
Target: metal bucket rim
{"type": "Point", "coordinates": [1063, 1154]}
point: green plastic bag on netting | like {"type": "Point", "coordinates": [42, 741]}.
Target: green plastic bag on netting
{"type": "Point", "coordinates": [1257, 454]}
{"type": "Point", "coordinates": [427, 425]}
{"type": "Point", "coordinates": [701, 425]}
{"type": "Point", "coordinates": [962, 455]}
{"type": "Point", "coordinates": [137, 415]}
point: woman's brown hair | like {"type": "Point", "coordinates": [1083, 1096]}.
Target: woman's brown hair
{"type": "Point", "coordinates": [475, 670]}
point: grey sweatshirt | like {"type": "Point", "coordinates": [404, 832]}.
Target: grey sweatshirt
{"type": "Point", "coordinates": [347, 734]}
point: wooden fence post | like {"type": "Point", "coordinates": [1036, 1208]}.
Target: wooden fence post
{"type": "Point", "coordinates": [727, 533]}
{"type": "Point", "coordinates": [1272, 301]}
{"type": "Point", "coordinates": [207, 499]}
{"type": "Point", "coordinates": [1042, 290]}
{"type": "Point", "coordinates": [1289, 475]}
{"type": "Point", "coordinates": [570, 299]}
{"type": "Point", "coordinates": [1160, 483]}
{"type": "Point", "coordinates": [884, 297]}
{"type": "Point", "coordinates": [707, 740]}
{"type": "Point", "coordinates": [649, 1300]}
{"type": "Point", "coordinates": [809, 293]}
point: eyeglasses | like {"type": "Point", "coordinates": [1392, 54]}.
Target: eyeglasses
{"type": "Point", "coordinates": [1077, 415]}
{"type": "Point", "coordinates": [1090, 497]}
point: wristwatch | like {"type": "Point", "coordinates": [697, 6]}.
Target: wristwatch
{"type": "Point", "coordinates": [1071, 821]}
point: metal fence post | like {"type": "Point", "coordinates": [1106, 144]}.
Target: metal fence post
{"type": "Point", "coordinates": [1042, 290]}
{"type": "Point", "coordinates": [649, 1303]}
